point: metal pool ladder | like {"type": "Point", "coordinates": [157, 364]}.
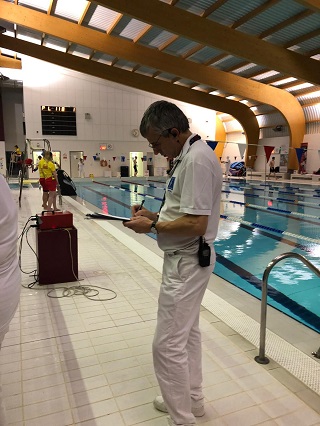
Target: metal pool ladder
{"type": "Point", "coordinates": [261, 358]}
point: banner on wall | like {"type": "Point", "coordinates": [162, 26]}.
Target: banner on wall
{"type": "Point", "coordinates": [268, 150]}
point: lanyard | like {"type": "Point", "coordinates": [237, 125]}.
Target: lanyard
{"type": "Point", "coordinates": [175, 165]}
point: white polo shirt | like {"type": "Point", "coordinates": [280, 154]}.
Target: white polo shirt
{"type": "Point", "coordinates": [10, 277]}
{"type": "Point", "coordinates": [195, 189]}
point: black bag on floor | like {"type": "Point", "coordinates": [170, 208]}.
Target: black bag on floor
{"type": "Point", "coordinates": [67, 187]}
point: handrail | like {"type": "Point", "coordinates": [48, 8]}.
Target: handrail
{"type": "Point", "coordinates": [261, 358]}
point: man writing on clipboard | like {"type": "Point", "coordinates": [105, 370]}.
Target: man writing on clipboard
{"type": "Point", "coordinates": [186, 227]}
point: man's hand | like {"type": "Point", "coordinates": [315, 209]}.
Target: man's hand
{"type": "Point", "coordinates": [136, 212]}
{"type": "Point", "coordinates": [139, 224]}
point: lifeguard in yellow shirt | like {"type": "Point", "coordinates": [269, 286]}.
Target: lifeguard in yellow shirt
{"type": "Point", "coordinates": [42, 181]}
{"type": "Point", "coordinates": [51, 179]}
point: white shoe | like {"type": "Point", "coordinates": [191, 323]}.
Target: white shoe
{"type": "Point", "coordinates": [197, 411]}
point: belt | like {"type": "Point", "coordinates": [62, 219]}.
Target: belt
{"type": "Point", "coordinates": [181, 253]}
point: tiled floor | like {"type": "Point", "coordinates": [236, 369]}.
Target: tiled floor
{"type": "Point", "coordinates": [74, 361]}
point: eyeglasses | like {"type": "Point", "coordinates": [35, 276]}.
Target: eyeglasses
{"type": "Point", "coordinates": [154, 144]}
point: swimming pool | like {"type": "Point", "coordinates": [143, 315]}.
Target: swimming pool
{"type": "Point", "coordinates": [259, 221]}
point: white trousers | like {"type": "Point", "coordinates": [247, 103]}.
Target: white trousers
{"type": "Point", "coordinates": [3, 416]}
{"type": "Point", "coordinates": [177, 340]}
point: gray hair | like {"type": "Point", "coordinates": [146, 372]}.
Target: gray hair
{"type": "Point", "coordinates": [161, 116]}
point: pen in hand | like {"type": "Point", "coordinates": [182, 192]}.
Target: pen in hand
{"type": "Point", "coordinates": [141, 205]}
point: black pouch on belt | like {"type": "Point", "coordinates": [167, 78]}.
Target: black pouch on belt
{"type": "Point", "coordinates": [204, 252]}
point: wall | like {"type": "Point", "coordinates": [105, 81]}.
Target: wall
{"type": "Point", "coordinates": [313, 155]}
{"type": "Point", "coordinates": [234, 148]}
{"type": "Point", "coordinates": [277, 142]}
{"type": "Point", "coordinates": [235, 145]}
{"type": "Point", "coordinates": [235, 137]}
{"type": "Point", "coordinates": [12, 100]}
{"type": "Point", "coordinates": [115, 111]}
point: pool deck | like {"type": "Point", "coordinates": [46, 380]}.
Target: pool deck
{"type": "Point", "coordinates": [74, 361]}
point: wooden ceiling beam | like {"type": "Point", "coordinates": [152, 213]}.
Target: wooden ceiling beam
{"type": "Point", "coordinates": [135, 68]}
{"type": "Point", "coordinates": [235, 67]}
{"type": "Point", "coordinates": [52, 7]}
{"type": "Point", "coordinates": [290, 85]}
{"type": "Point", "coordinates": [168, 42]}
{"type": "Point", "coordinates": [115, 60]}
{"type": "Point", "coordinates": [146, 29]}
{"type": "Point", "coordinates": [114, 23]}
{"type": "Point", "coordinates": [254, 13]}
{"type": "Point", "coordinates": [285, 23]}
{"type": "Point", "coordinates": [242, 113]}
{"type": "Point", "coordinates": [152, 58]}
{"type": "Point", "coordinates": [83, 15]}
{"type": "Point", "coordinates": [310, 4]}
{"type": "Point", "coordinates": [6, 62]}
{"type": "Point", "coordinates": [308, 91]}
{"type": "Point", "coordinates": [212, 8]}
{"type": "Point", "coordinates": [42, 38]}
{"type": "Point", "coordinates": [310, 104]}
{"type": "Point", "coordinates": [136, 53]}
{"type": "Point", "coordinates": [302, 38]}
{"type": "Point", "coordinates": [192, 51]}
{"type": "Point", "coordinates": [210, 33]}
{"type": "Point", "coordinates": [216, 59]}
{"type": "Point", "coordinates": [314, 52]}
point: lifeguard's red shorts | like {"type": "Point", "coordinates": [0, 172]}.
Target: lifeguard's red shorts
{"type": "Point", "coordinates": [51, 184]}
{"type": "Point", "coordinates": [43, 184]}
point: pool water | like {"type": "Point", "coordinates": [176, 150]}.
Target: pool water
{"type": "Point", "coordinates": [258, 222]}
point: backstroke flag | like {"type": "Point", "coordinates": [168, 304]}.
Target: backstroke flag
{"type": "Point", "coordinates": [299, 152]}
{"type": "Point", "coordinates": [212, 144]}
{"type": "Point", "coordinates": [242, 147]}
{"type": "Point", "coordinates": [268, 150]}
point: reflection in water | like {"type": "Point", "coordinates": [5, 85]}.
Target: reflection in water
{"type": "Point", "coordinates": [104, 205]}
